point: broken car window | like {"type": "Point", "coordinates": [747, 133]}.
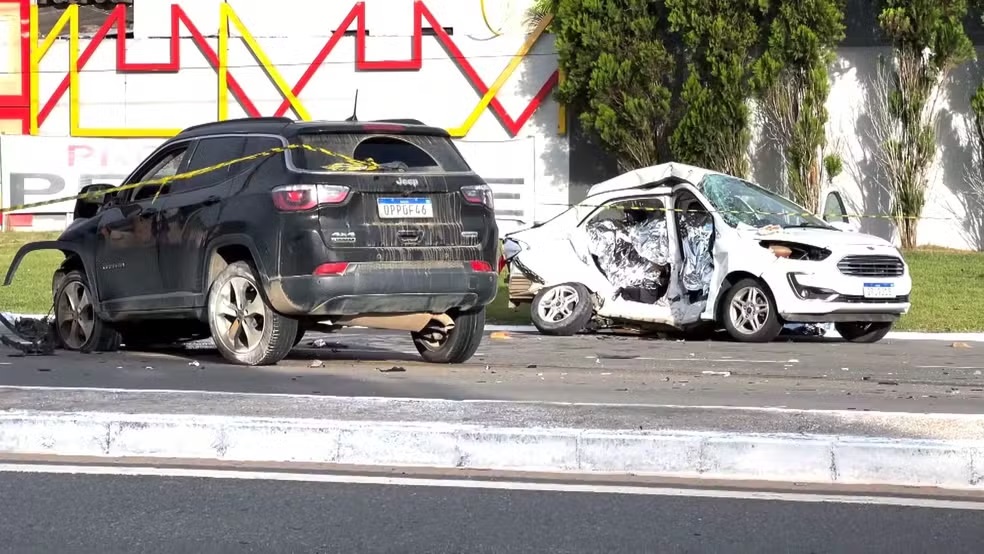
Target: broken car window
{"type": "Point", "coordinates": [741, 203]}
{"type": "Point", "coordinates": [628, 241]}
{"type": "Point", "coordinates": [418, 153]}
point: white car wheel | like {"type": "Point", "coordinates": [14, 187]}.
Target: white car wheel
{"type": "Point", "coordinates": [562, 310]}
{"type": "Point", "coordinates": [750, 313]}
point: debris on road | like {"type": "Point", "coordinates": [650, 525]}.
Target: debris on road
{"type": "Point", "coordinates": [36, 336]}
{"type": "Point", "coordinates": [194, 363]}
{"type": "Point", "coordinates": [960, 345]}
{"type": "Point", "coordinates": [394, 369]}
{"type": "Point", "coordinates": [317, 363]}
{"type": "Point", "coordinates": [500, 335]}
{"type": "Point", "coordinates": [718, 373]}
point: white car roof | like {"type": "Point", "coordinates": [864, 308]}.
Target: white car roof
{"type": "Point", "coordinates": [649, 175]}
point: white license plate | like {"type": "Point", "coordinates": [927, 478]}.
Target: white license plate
{"type": "Point", "coordinates": [400, 208]}
{"type": "Point", "coordinates": [879, 290]}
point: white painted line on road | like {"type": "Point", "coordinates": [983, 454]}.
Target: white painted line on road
{"type": "Point", "coordinates": [530, 486]}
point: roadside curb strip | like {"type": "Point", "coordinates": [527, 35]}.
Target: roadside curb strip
{"type": "Point", "coordinates": [809, 458]}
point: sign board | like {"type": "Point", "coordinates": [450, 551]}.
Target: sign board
{"type": "Point", "coordinates": [37, 169]}
{"type": "Point", "coordinates": [507, 166]}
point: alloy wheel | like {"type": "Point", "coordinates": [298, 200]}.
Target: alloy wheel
{"type": "Point", "coordinates": [75, 315]}
{"type": "Point", "coordinates": [240, 315]}
{"type": "Point", "coordinates": [558, 304]}
{"type": "Point", "coordinates": [749, 310]}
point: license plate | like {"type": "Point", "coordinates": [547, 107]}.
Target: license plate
{"type": "Point", "coordinates": [400, 208]}
{"type": "Point", "coordinates": [879, 290]}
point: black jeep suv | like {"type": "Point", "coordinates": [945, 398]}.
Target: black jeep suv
{"type": "Point", "coordinates": [317, 225]}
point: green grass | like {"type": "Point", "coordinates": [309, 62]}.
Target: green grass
{"type": "Point", "coordinates": [31, 290]}
{"type": "Point", "coordinates": [947, 295]}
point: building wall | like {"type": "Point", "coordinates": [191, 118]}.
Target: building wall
{"type": "Point", "coordinates": [432, 60]}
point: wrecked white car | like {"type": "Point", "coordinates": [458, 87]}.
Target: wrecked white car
{"type": "Point", "coordinates": [684, 247]}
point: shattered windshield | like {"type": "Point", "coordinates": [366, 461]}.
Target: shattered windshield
{"type": "Point", "coordinates": [744, 204]}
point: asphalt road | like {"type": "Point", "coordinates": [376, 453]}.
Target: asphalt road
{"type": "Point", "coordinates": [807, 373]}
{"type": "Point", "coordinates": [109, 514]}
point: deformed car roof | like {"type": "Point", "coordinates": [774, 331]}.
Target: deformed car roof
{"type": "Point", "coordinates": [648, 176]}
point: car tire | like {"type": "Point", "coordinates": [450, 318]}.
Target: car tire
{"type": "Point", "coordinates": [864, 333]}
{"type": "Point", "coordinates": [459, 345]}
{"type": "Point", "coordinates": [77, 325]}
{"type": "Point", "coordinates": [570, 301]}
{"type": "Point", "coordinates": [235, 306]}
{"type": "Point", "coordinates": [749, 312]}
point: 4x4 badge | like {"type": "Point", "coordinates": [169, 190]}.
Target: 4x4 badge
{"type": "Point", "coordinates": [403, 181]}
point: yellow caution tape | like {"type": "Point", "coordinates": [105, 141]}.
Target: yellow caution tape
{"type": "Point", "coordinates": [348, 164]}
{"type": "Point", "coordinates": [754, 212]}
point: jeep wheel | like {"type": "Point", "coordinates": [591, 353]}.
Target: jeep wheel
{"type": "Point", "coordinates": [77, 326]}
{"type": "Point", "coordinates": [245, 329]}
{"type": "Point", "coordinates": [458, 345]}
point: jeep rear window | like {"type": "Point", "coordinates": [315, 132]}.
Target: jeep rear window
{"type": "Point", "coordinates": [417, 153]}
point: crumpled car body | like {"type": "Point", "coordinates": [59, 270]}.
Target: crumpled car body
{"type": "Point", "coordinates": [665, 244]}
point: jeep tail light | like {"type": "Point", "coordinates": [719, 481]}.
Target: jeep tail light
{"type": "Point", "coordinates": [478, 194]}
{"type": "Point", "coordinates": [481, 265]}
{"type": "Point", "coordinates": [299, 198]}
{"type": "Point", "coordinates": [333, 268]}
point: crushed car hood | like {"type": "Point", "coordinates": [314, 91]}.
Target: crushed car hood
{"type": "Point", "coordinates": [817, 237]}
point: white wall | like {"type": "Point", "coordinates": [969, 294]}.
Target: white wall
{"type": "Point", "coordinates": [291, 35]}
{"type": "Point", "coordinates": [439, 94]}
{"type": "Point", "coordinates": [946, 222]}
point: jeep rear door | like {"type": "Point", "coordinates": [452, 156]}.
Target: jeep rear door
{"type": "Point", "coordinates": [425, 204]}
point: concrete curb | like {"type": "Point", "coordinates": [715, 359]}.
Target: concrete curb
{"type": "Point", "coordinates": [800, 457]}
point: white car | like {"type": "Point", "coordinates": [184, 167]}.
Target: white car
{"type": "Point", "coordinates": [684, 247]}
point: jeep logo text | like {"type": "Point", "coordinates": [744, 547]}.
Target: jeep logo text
{"type": "Point", "coordinates": [403, 181]}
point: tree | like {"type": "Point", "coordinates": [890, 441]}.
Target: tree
{"type": "Point", "coordinates": [721, 37]}
{"type": "Point", "coordinates": [928, 41]}
{"type": "Point", "coordinates": [617, 72]}
{"type": "Point", "coordinates": [793, 81]}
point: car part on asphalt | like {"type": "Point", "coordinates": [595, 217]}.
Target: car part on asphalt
{"type": "Point", "coordinates": [36, 336]}
{"type": "Point", "coordinates": [863, 332]}
{"type": "Point", "coordinates": [281, 223]}
{"type": "Point", "coordinates": [675, 270]}
{"type": "Point", "coordinates": [562, 310]}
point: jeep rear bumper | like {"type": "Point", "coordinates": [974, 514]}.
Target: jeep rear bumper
{"type": "Point", "coordinates": [382, 288]}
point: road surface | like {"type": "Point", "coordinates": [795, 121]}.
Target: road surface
{"type": "Point", "coordinates": [891, 375]}
{"type": "Point", "coordinates": [169, 513]}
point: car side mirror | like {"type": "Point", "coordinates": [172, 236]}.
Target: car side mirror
{"type": "Point", "coordinates": [91, 198]}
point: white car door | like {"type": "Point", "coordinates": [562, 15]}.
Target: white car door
{"type": "Point", "coordinates": [700, 262]}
